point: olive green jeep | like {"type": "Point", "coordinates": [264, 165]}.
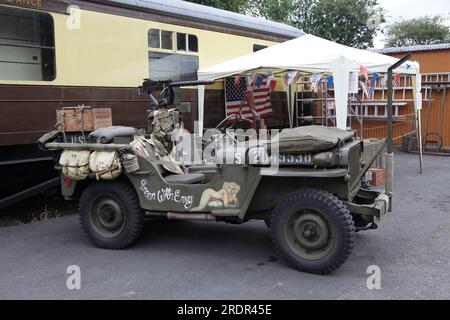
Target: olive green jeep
{"type": "Point", "coordinates": [304, 183]}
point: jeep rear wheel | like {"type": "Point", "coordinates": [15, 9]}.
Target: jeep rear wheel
{"type": "Point", "coordinates": [313, 231]}
{"type": "Point", "coordinates": [110, 215]}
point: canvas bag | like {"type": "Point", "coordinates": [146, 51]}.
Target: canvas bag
{"type": "Point", "coordinates": [75, 164]}
{"type": "Point", "coordinates": [310, 139]}
{"type": "Point", "coordinates": [105, 164]}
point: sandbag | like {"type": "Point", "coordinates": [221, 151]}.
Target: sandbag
{"type": "Point", "coordinates": [75, 164]}
{"type": "Point", "coordinates": [105, 164]}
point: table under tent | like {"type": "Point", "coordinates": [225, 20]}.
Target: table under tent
{"type": "Point", "coordinates": [313, 55]}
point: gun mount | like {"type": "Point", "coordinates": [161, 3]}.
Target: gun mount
{"type": "Point", "coordinates": [166, 88]}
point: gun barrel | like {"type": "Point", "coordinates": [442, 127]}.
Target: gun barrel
{"type": "Point", "coordinates": [177, 84]}
{"type": "Point", "coordinates": [150, 85]}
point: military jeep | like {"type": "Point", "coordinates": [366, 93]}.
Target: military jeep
{"type": "Point", "coordinates": [305, 183]}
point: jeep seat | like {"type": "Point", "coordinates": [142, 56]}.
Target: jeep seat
{"type": "Point", "coordinates": [173, 178]}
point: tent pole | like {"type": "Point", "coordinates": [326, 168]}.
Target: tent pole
{"type": "Point", "coordinates": [419, 129]}
{"type": "Point", "coordinates": [201, 109]}
{"type": "Point", "coordinates": [390, 101]}
{"type": "Point", "coordinates": [290, 107]}
{"type": "Point", "coordinates": [390, 153]}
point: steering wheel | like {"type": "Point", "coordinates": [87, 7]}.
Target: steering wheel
{"type": "Point", "coordinates": [237, 117]}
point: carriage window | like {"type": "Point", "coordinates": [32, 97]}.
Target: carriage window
{"type": "Point", "coordinates": [172, 66]}
{"type": "Point", "coordinates": [193, 43]}
{"type": "Point", "coordinates": [27, 45]}
{"type": "Point", "coordinates": [166, 40]}
{"type": "Point", "coordinates": [163, 39]}
{"type": "Point", "coordinates": [181, 41]}
{"type": "Point", "coordinates": [179, 64]}
{"type": "Point", "coordinates": [154, 40]}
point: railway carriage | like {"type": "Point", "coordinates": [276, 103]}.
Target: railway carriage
{"type": "Point", "coordinates": [56, 54]}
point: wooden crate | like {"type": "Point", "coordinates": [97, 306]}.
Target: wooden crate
{"type": "Point", "coordinates": [83, 119]}
{"type": "Point", "coordinates": [102, 117]}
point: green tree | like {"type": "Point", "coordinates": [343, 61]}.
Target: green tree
{"type": "Point", "coordinates": [419, 31]}
{"type": "Point", "coordinates": [350, 22]}
{"type": "Point", "coordinates": [302, 16]}
{"type": "Point", "coordinates": [240, 6]}
{"type": "Point", "coordinates": [276, 10]}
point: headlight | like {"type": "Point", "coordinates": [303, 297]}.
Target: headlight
{"type": "Point", "coordinates": [326, 159]}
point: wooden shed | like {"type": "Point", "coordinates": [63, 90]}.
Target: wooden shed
{"type": "Point", "coordinates": [435, 68]}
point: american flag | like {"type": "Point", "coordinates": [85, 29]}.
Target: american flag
{"type": "Point", "coordinates": [316, 79]}
{"type": "Point", "coordinates": [234, 95]}
{"type": "Point", "coordinates": [396, 80]}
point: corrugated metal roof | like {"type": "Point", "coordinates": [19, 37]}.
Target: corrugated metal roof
{"type": "Point", "coordinates": [431, 47]}
{"type": "Point", "coordinates": [197, 11]}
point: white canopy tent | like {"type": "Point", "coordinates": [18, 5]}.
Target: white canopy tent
{"type": "Point", "coordinates": [314, 55]}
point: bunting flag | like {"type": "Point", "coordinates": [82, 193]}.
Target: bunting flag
{"type": "Point", "coordinates": [248, 81]}
{"type": "Point", "coordinates": [383, 81]}
{"type": "Point", "coordinates": [258, 81]}
{"type": "Point", "coordinates": [252, 80]}
{"type": "Point", "coordinates": [373, 84]}
{"type": "Point", "coordinates": [375, 77]}
{"type": "Point", "coordinates": [269, 78]}
{"type": "Point", "coordinates": [398, 78]}
{"type": "Point", "coordinates": [364, 88]}
{"type": "Point", "coordinates": [365, 72]}
{"type": "Point", "coordinates": [316, 80]}
{"type": "Point", "coordinates": [273, 84]}
{"type": "Point", "coordinates": [286, 79]}
{"type": "Point", "coordinates": [330, 82]}
{"type": "Point", "coordinates": [292, 75]}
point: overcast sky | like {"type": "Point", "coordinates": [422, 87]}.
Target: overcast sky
{"type": "Point", "coordinates": [398, 10]}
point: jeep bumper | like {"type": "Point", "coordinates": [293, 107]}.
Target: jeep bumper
{"type": "Point", "coordinates": [370, 204]}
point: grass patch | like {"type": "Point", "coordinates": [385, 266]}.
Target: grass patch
{"type": "Point", "coordinates": [37, 209]}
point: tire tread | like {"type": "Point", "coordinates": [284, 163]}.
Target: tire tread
{"type": "Point", "coordinates": [131, 205]}
{"type": "Point", "coordinates": [344, 217]}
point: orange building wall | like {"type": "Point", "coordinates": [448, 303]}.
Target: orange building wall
{"type": "Point", "coordinates": [430, 62]}
{"type": "Point", "coordinates": [378, 128]}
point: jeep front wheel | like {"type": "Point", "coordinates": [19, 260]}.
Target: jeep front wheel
{"type": "Point", "coordinates": [313, 231]}
{"type": "Point", "coordinates": [110, 215]}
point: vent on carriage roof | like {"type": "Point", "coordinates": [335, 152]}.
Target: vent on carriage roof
{"type": "Point", "coordinates": [430, 47]}
{"type": "Point", "coordinates": [197, 11]}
